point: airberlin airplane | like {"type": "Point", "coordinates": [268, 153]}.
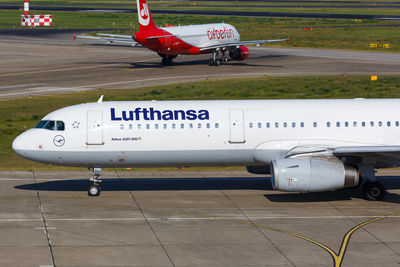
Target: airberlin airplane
{"type": "Point", "coordinates": [221, 40]}
{"type": "Point", "coordinates": [306, 145]}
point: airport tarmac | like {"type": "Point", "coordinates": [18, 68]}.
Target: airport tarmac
{"type": "Point", "coordinates": [51, 63]}
{"type": "Point", "coordinates": [191, 218]}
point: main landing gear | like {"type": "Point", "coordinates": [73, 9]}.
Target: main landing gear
{"type": "Point", "coordinates": [95, 189]}
{"type": "Point", "coordinates": [166, 59]}
{"type": "Point", "coordinates": [371, 189]}
{"type": "Point", "coordinates": [218, 57]}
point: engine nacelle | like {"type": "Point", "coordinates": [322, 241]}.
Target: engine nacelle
{"type": "Point", "coordinates": [263, 169]}
{"type": "Point", "coordinates": [240, 53]}
{"type": "Point", "coordinates": [312, 175]}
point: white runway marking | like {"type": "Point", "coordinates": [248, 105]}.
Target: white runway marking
{"type": "Point", "coordinates": [21, 85]}
{"type": "Point", "coordinates": [190, 218]}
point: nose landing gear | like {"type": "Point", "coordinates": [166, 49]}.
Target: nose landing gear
{"type": "Point", "coordinates": [95, 189]}
{"type": "Point", "coordinates": [371, 189]}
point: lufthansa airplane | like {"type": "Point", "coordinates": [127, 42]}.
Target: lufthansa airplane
{"type": "Point", "coordinates": [306, 145]}
{"type": "Point", "coordinates": [221, 40]}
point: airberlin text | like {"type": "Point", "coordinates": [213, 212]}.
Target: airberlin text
{"type": "Point", "coordinates": [154, 114]}
{"type": "Point", "coordinates": [225, 33]}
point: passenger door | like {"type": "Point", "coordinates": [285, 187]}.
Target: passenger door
{"type": "Point", "coordinates": [94, 127]}
{"type": "Point", "coordinates": [236, 120]}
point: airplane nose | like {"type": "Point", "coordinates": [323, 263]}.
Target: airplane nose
{"type": "Point", "coordinates": [21, 145]}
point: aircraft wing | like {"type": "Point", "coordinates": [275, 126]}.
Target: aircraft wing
{"type": "Point", "coordinates": [384, 156]}
{"type": "Point", "coordinates": [240, 43]}
{"type": "Point", "coordinates": [110, 38]}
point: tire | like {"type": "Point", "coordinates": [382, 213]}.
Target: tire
{"type": "Point", "coordinates": [94, 190]}
{"type": "Point", "coordinates": [374, 191]}
{"type": "Point", "coordinates": [164, 61]}
{"type": "Point", "coordinates": [217, 62]}
{"type": "Point", "coordinates": [210, 62]}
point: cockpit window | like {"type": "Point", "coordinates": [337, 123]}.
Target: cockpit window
{"type": "Point", "coordinates": [60, 126]}
{"type": "Point", "coordinates": [41, 124]}
{"type": "Point", "coordinates": [51, 125]}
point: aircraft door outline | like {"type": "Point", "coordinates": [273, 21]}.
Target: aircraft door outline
{"type": "Point", "coordinates": [94, 127]}
{"type": "Point", "coordinates": [236, 126]}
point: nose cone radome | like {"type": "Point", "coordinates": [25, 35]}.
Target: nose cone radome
{"type": "Point", "coordinates": [21, 145]}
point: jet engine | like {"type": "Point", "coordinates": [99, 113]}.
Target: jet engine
{"type": "Point", "coordinates": [240, 53]}
{"type": "Point", "coordinates": [312, 175]}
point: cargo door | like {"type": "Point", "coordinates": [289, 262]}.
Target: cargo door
{"type": "Point", "coordinates": [94, 127]}
{"type": "Point", "coordinates": [236, 119]}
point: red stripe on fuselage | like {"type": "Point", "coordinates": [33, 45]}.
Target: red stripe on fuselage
{"type": "Point", "coordinates": [165, 45]}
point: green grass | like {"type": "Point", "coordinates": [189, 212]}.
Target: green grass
{"type": "Point", "coordinates": [18, 115]}
{"type": "Point", "coordinates": [250, 28]}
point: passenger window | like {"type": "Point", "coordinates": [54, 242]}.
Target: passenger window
{"type": "Point", "coordinates": [259, 125]}
{"type": "Point", "coordinates": [302, 124]}
{"type": "Point", "coordinates": [355, 124]}
{"type": "Point", "coordinates": [315, 124]}
{"type": "Point", "coordinates": [285, 124]}
{"type": "Point", "coordinates": [380, 124]}
{"type": "Point", "coordinates": [190, 125]}
{"type": "Point", "coordinates": [208, 126]}
{"type": "Point", "coordinates": [388, 124]}
{"type": "Point", "coordinates": [139, 126]}
{"type": "Point", "coordinates": [346, 124]}
{"type": "Point", "coordinates": [182, 125]}
{"type": "Point", "coordinates": [363, 124]}
{"type": "Point", "coordinates": [173, 126]}
{"type": "Point", "coordinates": [372, 124]}
{"type": "Point", "coordinates": [165, 126]}
{"type": "Point", "coordinates": [147, 126]}
{"type": "Point", "coordinates": [276, 124]}
{"type": "Point", "coordinates": [328, 124]}
{"type": "Point", "coordinates": [251, 125]}
{"type": "Point", "coordinates": [130, 126]}
{"type": "Point", "coordinates": [121, 126]}
{"type": "Point", "coordinates": [60, 126]}
{"type": "Point", "coordinates": [156, 126]}
{"type": "Point", "coordinates": [199, 125]}
{"type": "Point", "coordinates": [268, 125]}
{"type": "Point", "coordinates": [338, 124]}
{"type": "Point", "coordinates": [397, 123]}
{"type": "Point", "coordinates": [293, 124]}
{"type": "Point", "coordinates": [50, 125]}
{"type": "Point", "coordinates": [216, 126]}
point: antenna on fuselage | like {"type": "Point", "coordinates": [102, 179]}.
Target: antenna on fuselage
{"type": "Point", "coordinates": [100, 99]}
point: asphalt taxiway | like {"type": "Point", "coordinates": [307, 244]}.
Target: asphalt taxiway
{"type": "Point", "coordinates": [51, 63]}
{"type": "Point", "coordinates": [191, 218]}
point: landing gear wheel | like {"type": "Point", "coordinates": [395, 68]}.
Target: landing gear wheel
{"type": "Point", "coordinates": [373, 191]}
{"type": "Point", "coordinates": [211, 62]}
{"type": "Point", "coordinates": [94, 190]}
{"type": "Point", "coordinates": [217, 62]}
{"type": "Point", "coordinates": [164, 61]}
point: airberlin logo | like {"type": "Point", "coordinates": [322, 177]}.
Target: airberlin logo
{"type": "Point", "coordinates": [144, 18]}
{"type": "Point", "coordinates": [225, 33]}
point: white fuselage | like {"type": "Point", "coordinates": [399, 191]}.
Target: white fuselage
{"type": "Point", "coordinates": [205, 35]}
{"type": "Point", "coordinates": [183, 133]}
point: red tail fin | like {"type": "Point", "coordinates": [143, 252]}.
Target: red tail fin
{"type": "Point", "coordinates": [144, 16]}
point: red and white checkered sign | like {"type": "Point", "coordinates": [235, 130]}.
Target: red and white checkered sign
{"type": "Point", "coordinates": [36, 20]}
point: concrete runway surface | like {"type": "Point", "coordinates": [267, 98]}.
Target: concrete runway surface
{"type": "Point", "coordinates": [191, 218]}
{"type": "Point", "coordinates": [52, 63]}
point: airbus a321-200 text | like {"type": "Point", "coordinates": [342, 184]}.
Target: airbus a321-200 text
{"type": "Point", "coordinates": [306, 145]}
{"type": "Point", "coordinates": [220, 39]}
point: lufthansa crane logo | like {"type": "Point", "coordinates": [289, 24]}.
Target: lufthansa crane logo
{"type": "Point", "coordinates": [144, 18]}
{"type": "Point", "coordinates": [59, 140]}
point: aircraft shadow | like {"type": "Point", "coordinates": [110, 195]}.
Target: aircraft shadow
{"type": "Point", "coordinates": [390, 182]}
{"type": "Point", "coordinates": [237, 183]}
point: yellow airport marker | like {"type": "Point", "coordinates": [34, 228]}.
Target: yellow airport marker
{"type": "Point", "coordinates": [374, 78]}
